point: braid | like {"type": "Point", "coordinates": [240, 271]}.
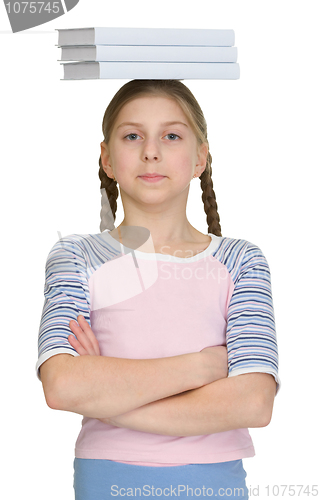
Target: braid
{"type": "Point", "coordinates": [109, 195]}
{"type": "Point", "coordinates": [209, 199]}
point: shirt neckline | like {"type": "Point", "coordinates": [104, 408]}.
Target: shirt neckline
{"type": "Point", "coordinates": [213, 245]}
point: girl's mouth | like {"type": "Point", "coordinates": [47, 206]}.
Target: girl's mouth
{"type": "Point", "coordinates": [152, 179]}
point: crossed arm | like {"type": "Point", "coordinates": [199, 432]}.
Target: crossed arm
{"type": "Point", "coordinates": [228, 403]}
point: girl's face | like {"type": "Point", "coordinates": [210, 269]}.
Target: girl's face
{"type": "Point", "coordinates": [153, 135]}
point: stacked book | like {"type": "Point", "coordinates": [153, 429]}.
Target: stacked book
{"type": "Point", "coordinates": [148, 53]}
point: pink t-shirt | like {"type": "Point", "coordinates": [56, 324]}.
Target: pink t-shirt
{"type": "Point", "coordinates": [145, 305]}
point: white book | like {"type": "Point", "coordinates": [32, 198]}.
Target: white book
{"type": "Point", "coordinates": [151, 71]}
{"type": "Point", "coordinates": [150, 53]}
{"type": "Point", "coordinates": [146, 36]}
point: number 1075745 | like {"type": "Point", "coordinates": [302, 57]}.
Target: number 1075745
{"type": "Point", "coordinates": [33, 7]}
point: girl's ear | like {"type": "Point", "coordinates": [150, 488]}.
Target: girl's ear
{"type": "Point", "coordinates": [202, 157]}
{"type": "Point", "coordinates": [105, 159]}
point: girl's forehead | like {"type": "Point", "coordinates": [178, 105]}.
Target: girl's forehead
{"type": "Point", "coordinates": [152, 106]}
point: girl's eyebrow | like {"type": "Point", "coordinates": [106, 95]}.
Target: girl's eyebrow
{"type": "Point", "coordinates": [173, 123]}
{"type": "Point", "coordinates": [133, 124]}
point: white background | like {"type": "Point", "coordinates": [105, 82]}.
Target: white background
{"type": "Point", "coordinates": [264, 139]}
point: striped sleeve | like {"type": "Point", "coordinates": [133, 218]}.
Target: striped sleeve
{"type": "Point", "coordinates": [66, 293]}
{"type": "Point", "coordinates": [251, 334]}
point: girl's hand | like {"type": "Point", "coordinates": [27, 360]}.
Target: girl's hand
{"type": "Point", "coordinates": [216, 362]}
{"type": "Point", "coordinates": [86, 343]}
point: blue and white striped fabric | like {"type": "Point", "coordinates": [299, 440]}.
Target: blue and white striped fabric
{"type": "Point", "coordinates": [251, 334]}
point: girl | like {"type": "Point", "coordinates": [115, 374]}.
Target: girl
{"type": "Point", "coordinates": [174, 354]}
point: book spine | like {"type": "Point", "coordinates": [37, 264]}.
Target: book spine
{"type": "Point", "coordinates": [175, 71]}
{"type": "Point", "coordinates": [164, 36]}
{"type": "Point", "coordinates": [147, 36]}
{"type": "Point", "coordinates": [166, 54]}
{"type": "Point", "coordinates": [148, 53]}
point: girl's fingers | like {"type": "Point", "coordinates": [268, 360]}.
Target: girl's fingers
{"type": "Point", "coordinates": [81, 338]}
{"type": "Point", "coordinates": [76, 345]}
{"type": "Point", "coordinates": [90, 335]}
{"type": "Point", "coordinates": [85, 337]}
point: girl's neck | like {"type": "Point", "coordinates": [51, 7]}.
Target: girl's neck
{"type": "Point", "coordinates": [191, 244]}
{"type": "Point", "coordinates": [162, 235]}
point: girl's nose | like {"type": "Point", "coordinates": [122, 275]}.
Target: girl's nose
{"type": "Point", "coordinates": [149, 157]}
{"type": "Point", "coordinates": [151, 151]}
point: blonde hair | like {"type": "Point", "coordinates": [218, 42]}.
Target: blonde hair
{"type": "Point", "coordinates": [176, 90]}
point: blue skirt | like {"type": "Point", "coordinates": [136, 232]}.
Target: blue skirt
{"type": "Point", "coordinates": [96, 479]}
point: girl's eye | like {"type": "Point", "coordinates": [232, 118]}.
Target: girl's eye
{"type": "Point", "coordinates": [131, 137]}
{"type": "Point", "coordinates": [173, 137]}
